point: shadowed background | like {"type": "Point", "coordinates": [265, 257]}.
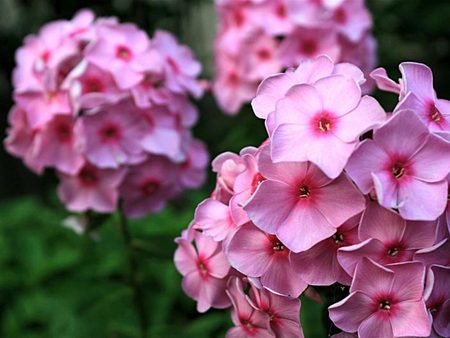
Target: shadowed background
{"type": "Point", "coordinates": [54, 283]}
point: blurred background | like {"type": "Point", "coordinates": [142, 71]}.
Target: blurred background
{"type": "Point", "coordinates": [55, 283]}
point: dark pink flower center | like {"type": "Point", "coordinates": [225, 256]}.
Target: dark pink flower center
{"type": "Point", "coordinates": [110, 133]}
{"type": "Point", "coordinates": [304, 192]}
{"type": "Point", "coordinates": [277, 246]}
{"type": "Point", "coordinates": [88, 177]}
{"type": "Point", "coordinates": [434, 114]}
{"type": "Point", "coordinates": [393, 251]}
{"type": "Point", "coordinates": [281, 11]}
{"type": "Point", "coordinates": [257, 179]}
{"type": "Point", "coordinates": [308, 47]}
{"type": "Point", "coordinates": [203, 268]}
{"type": "Point", "coordinates": [124, 53]}
{"type": "Point", "coordinates": [153, 80]}
{"type": "Point", "coordinates": [149, 187]}
{"type": "Point", "coordinates": [385, 305]}
{"type": "Point", "coordinates": [239, 18]}
{"type": "Point", "coordinates": [340, 16]}
{"type": "Point", "coordinates": [63, 132]}
{"type": "Point", "coordinates": [398, 170]}
{"type": "Point", "coordinates": [45, 56]}
{"type": "Point", "coordinates": [92, 85]}
{"type": "Point", "coordinates": [264, 54]}
{"type": "Point", "coordinates": [233, 79]}
{"type": "Point", "coordinates": [338, 238]}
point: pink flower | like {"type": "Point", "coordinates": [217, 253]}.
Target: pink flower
{"type": "Point", "coordinates": [59, 144]}
{"type": "Point", "coordinates": [122, 50]}
{"type": "Point", "coordinates": [352, 19]}
{"type": "Point", "coordinates": [214, 219]}
{"type": "Point", "coordinates": [406, 165]}
{"type": "Point", "coordinates": [386, 239]}
{"type": "Point", "coordinates": [308, 43]}
{"type": "Point", "coordinates": [91, 189]}
{"type": "Point", "coordinates": [384, 302]}
{"type": "Point", "coordinates": [192, 169]}
{"type": "Point", "coordinates": [148, 186]}
{"type": "Point", "coordinates": [438, 298]}
{"type": "Point", "coordinates": [258, 254]}
{"type": "Point", "coordinates": [417, 81]}
{"type": "Point", "coordinates": [181, 69]}
{"type": "Point", "coordinates": [437, 254]}
{"type": "Point", "coordinates": [248, 321]}
{"type": "Point", "coordinates": [204, 268]}
{"type": "Point", "coordinates": [327, 117]}
{"type": "Point", "coordinates": [283, 312]}
{"type": "Point", "coordinates": [114, 138]}
{"type": "Point", "coordinates": [297, 199]}
{"type": "Point", "coordinates": [319, 265]}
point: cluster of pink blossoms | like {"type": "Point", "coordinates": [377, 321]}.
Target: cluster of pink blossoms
{"type": "Point", "coordinates": [108, 108]}
{"type": "Point", "coordinates": [314, 206]}
{"type": "Point", "coordinates": [261, 37]}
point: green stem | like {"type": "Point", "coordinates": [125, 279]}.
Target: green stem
{"type": "Point", "coordinates": [134, 274]}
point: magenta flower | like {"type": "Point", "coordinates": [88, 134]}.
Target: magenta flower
{"type": "Point", "coordinates": [258, 254]}
{"type": "Point", "coordinates": [59, 144]}
{"type": "Point", "coordinates": [283, 312]}
{"type": "Point", "coordinates": [91, 189]}
{"type": "Point", "coordinates": [324, 120]}
{"type": "Point", "coordinates": [319, 265]}
{"type": "Point", "coordinates": [419, 96]}
{"type": "Point", "coordinates": [113, 138]}
{"type": "Point", "coordinates": [123, 51]}
{"type": "Point", "coordinates": [406, 165]}
{"type": "Point", "coordinates": [386, 239]}
{"type": "Point", "coordinates": [147, 186]}
{"type": "Point", "coordinates": [437, 254]}
{"type": "Point", "coordinates": [438, 298]}
{"type": "Point", "coordinates": [248, 321]}
{"type": "Point", "coordinates": [204, 268]}
{"type": "Point", "coordinates": [384, 302]}
{"type": "Point", "coordinates": [297, 199]}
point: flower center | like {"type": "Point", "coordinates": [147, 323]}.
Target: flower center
{"type": "Point", "coordinates": [150, 187]}
{"type": "Point", "coordinates": [264, 54]}
{"type": "Point", "coordinates": [338, 238]}
{"type": "Point", "coordinates": [257, 179]}
{"type": "Point", "coordinates": [110, 133]}
{"type": "Point", "coordinates": [393, 251]}
{"type": "Point", "coordinates": [88, 177]}
{"type": "Point", "coordinates": [435, 114]}
{"type": "Point", "coordinates": [304, 192]}
{"type": "Point", "coordinates": [308, 47]}
{"type": "Point", "coordinates": [64, 132]}
{"type": "Point", "coordinates": [281, 11]}
{"type": "Point", "coordinates": [123, 53]}
{"type": "Point", "coordinates": [398, 170]}
{"type": "Point", "coordinates": [340, 16]}
{"type": "Point", "coordinates": [233, 79]}
{"type": "Point", "coordinates": [385, 305]}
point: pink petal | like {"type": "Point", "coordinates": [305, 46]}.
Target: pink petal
{"type": "Point", "coordinates": [419, 200]}
{"type": "Point", "coordinates": [372, 278]}
{"type": "Point", "coordinates": [367, 158]}
{"type": "Point", "coordinates": [384, 82]}
{"type": "Point", "coordinates": [248, 251]}
{"type": "Point", "coordinates": [375, 326]}
{"type": "Point", "coordinates": [382, 224]}
{"type": "Point", "coordinates": [364, 117]}
{"type": "Point", "coordinates": [212, 294]}
{"type": "Point", "coordinates": [442, 322]}
{"type": "Point", "coordinates": [409, 280]}
{"type": "Point", "coordinates": [338, 201]}
{"type": "Point", "coordinates": [218, 265]}
{"type": "Point", "coordinates": [411, 319]}
{"type": "Point", "coordinates": [285, 143]}
{"type": "Point", "coordinates": [270, 205]}
{"type": "Point", "coordinates": [185, 258]}
{"type": "Point", "coordinates": [419, 235]}
{"type": "Point", "coordinates": [339, 94]}
{"type": "Point", "coordinates": [351, 311]}
{"type": "Point", "coordinates": [214, 218]}
{"type": "Point", "coordinates": [386, 188]}
{"type": "Point", "coordinates": [417, 78]}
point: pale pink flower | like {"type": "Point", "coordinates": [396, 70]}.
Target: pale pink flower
{"type": "Point", "coordinates": [384, 302]}
{"type": "Point", "coordinates": [386, 239]}
{"type": "Point", "coordinates": [258, 254]}
{"type": "Point", "coordinates": [60, 144]}
{"type": "Point", "coordinates": [204, 269]}
{"type": "Point", "coordinates": [113, 138]}
{"type": "Point", "coordinates": [147, 186]}
{"type": "Point", "coordinates": [192, 169]}
{"type": "Point", "coordinates": [297, 199]}
{"type": "Point", "coordinates": [319, 265]}
{"type": "Point", "coordinates": [283, 312]}
{"type": "Point", "coordinates": [325, 118]}
{"type": "Point", "coordinates": [91, 189]}
{"type": "Point", "coordinates": [248, 321]}
{"type": "Point", "coordinates": [406, 165]}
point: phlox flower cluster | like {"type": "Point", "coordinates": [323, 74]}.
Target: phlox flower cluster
{"type": "Point", "coordinates": [341, 193]}
{"type": "Point", "coordinates": [108, 108]}
{"type": "Point", "coordinates": [257, 38]}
